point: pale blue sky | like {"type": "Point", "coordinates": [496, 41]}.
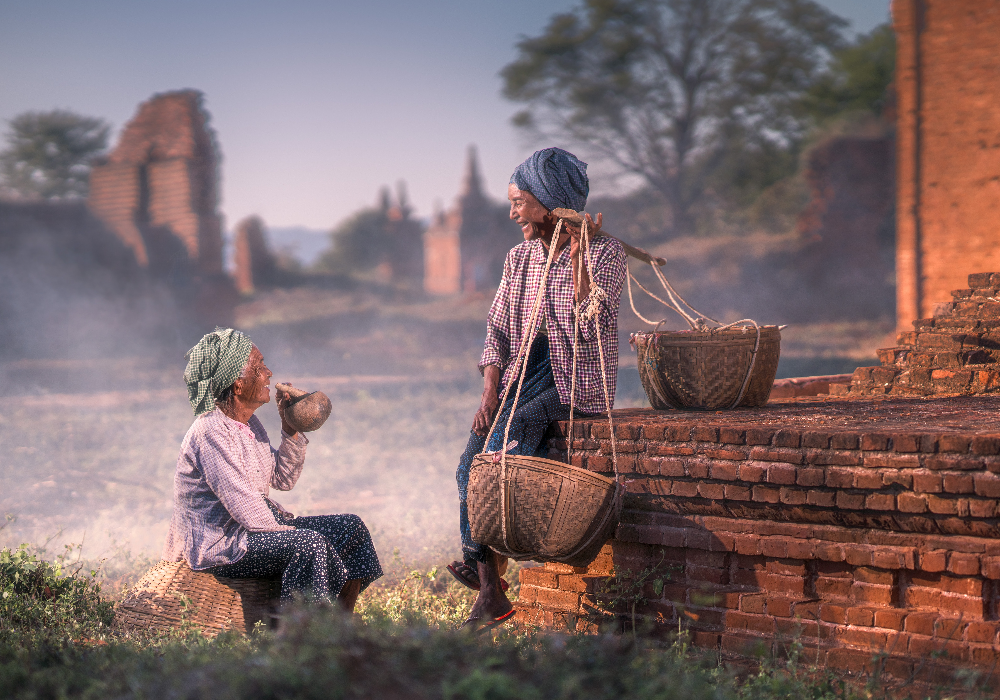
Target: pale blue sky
{"type": "Point", "coordinates": [316, 103]}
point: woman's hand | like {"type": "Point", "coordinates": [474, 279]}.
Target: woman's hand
{"type": "Point", "coordinates": [488, 405]}
{"type": "Point", "coordinates": [283, 399]}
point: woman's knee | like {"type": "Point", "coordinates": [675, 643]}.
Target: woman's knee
{"type": "Point", "coordinates": [311, 544]}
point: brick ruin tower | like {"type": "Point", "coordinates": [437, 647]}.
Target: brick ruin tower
{"type": "Point", "coordinates": [948, 149]}
{"type": "Point", "coordinates": [158, 192]}
{"type": "Point", "coordinates": [465, 247]}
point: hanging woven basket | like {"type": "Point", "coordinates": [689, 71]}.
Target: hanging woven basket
{"type": "Point", "coordinates": [171, 596]}
{"type": "Point", "coordinates": [542, 510]}
{"type": "Point", "coordinates": [527, 507]}
{"type": "Point", "coordinates": [708, 370]}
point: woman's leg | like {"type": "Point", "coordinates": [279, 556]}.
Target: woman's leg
{"type": "Point", "coordinates": [353, 556]}
{"type": "Point", "coordinates": [300, 557]}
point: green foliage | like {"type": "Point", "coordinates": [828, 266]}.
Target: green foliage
{"type": "Point", "coordinates": [49, 154]}
{"type": "Point", "coordinates": [677, 91]}
{"type": "Point", "coordinates": [41, 598]}
{"type": "Point", "coordinates": [858, 79]}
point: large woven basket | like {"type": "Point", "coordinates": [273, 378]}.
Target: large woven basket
{"type": "Point", "coordinates": [551, 511]}
{"type": "Point", "coordinates": [171, 595]}
{"type": "Point", "coordinates": [706, 369]}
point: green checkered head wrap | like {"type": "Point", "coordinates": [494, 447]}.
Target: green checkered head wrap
{"type": "Point", "coordinates": [213, 365]}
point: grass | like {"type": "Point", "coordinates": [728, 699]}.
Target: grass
{"type": "Point", "coordinates": [56, 642]}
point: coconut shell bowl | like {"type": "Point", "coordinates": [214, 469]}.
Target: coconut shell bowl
{"type": "Point", "coordinates": [306, 410]}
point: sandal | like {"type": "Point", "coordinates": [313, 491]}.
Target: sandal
{"type": "Point", "coordinates": [469, 577]}
{"type": "Point", "coordinates": [478, 626]}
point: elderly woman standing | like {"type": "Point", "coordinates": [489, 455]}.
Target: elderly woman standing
{"type": "Point", "coordinates": [550, 179]}
{"type": "Point", "coordinates": [224, 521]}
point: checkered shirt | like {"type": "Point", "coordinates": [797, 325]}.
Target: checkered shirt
{"type": "Point", "coordinates": [508, 319]}
{"type": "Point", "coordinates": [221, 487]}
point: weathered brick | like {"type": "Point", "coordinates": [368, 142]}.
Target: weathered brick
{"type": "Point", "coordinates": [987, 485]}
{"type": "Point", "coordinates": [714, 492]}
{"type": "Point", "coordinates": [905, 442]}
{"type": "Point", "coordinates": [933, 561]}
{"type": "Point", "coordinates": [776, 454]}
{"type": "Point", "coordinates": [810, 476]}
{"type": "Point", "coordinates": [839, 478]}
{"type": "Point", "coordinates": [942, 506]}
{"type": "Point", "coordinates": [737, 492]}
{"type": "Point", "coordinates": [951, 442]}
{"type": "Point", "coordinates": [844, 441]}
{"type": "Point", "coordinates": [705, 433]}
{"type": "Point", "coordinates": [985, 445]}
{"type": "Point", "coordinates": [759, 436]}
{"type": "Point", "coordinates": [752, 471]}
{"type": "Point", "coordinates": [723, 453]}
{"type": "Point", "coordinates": [880, 501]}
{"type": "Point", "coordinates": [963, 564]}
{"type": "Point", "coordinates": [957, 483]}
{"type": "Point", "coordinates": [816, 439]}
{"type": "Point", "coordinates": [911, 503]}
{"type": "Point", "coordinates": [766, 494]}
{"type": "Point", "coordinates": [891, 460]}
{"type": "Point", "coordinates": [671, 467]}
{"type": "Point", "coordinates": [781, 474]}
{"type": "Point", "coordinates": [927, 482]}
{"type": "Point", "coordinates": [792, 496]}
{"type": "Point", "coordinates": [875, 442]}
{"type": "Point", "coordinates": [890, 619]}
{"type": "Point", "coordinates": [850, 501]}
{"type": "Point", "coordinates": [786, 438]}
{"type": "Point", "coordinates": [823, 499]}
{"type": "Point", "coordinates": [867, 479]}
{"type": "Point", "coordinates": [732, 436]}
{"type": "Point", "coordinates": [831, 457]}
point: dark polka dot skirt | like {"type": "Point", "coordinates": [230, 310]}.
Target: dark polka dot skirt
{"type": "Point", "coordinates": [315, 560]}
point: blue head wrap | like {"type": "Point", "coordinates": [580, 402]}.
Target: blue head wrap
{"type": "Point", "coordinates": [556, 177]}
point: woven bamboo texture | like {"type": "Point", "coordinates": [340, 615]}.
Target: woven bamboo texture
{"type": "Point", "coordinates": [553, 511]}
{"type": "Point", "coordinates": [170, 595]}
{"type": "Point", "coordinates": [705, 370]}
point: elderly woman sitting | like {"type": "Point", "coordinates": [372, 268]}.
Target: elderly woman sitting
{"type": "Point", "coordinates": [224, 521]}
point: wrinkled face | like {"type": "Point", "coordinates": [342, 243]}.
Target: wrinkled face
{"type": "Point", "coordinates": [530, 214]}
{"type": "Point", "coordinates": [254, 385]}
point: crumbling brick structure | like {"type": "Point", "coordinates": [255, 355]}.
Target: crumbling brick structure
{"type": "Point", "coordinates": [858, 528]}
{"type": "Point", "coordinates": [465, 247]}
{"type": "Point", "coordinates": [848, 225]}
{"type": "Point", "coordinates": [158, 192]}
{"type": "Point", "coordinates": [948, 141]}
{"type": "Point", "coordinates": [955, 352]}
{"type": "Point", "coordinates": [255, 264]}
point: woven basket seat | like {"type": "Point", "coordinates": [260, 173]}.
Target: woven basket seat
{"type": "Point", "coordinates": [213, 603]}
{"type": "Point", "coordinates": [705, 370]}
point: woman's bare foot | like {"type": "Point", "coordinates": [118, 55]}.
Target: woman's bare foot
{"type": "Point", "coordinates": [491, 603]}
{"type": "Point", "coordinates": [348, 597]}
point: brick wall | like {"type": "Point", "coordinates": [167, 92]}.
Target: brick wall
{"type": "Point", "coordinates": [948, 143]}
{"type": "Point", "coordinates": [857, 527]}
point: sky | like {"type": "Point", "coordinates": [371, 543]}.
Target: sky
{"type": "Point", "coordinates": [317, 104]}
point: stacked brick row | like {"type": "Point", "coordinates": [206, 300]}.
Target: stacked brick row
{"type": "Point", "coordinates": [857, 540]}
{"type": "Point", "coordinates": [955, 352]}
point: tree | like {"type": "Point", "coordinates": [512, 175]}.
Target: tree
{"type": "Point", "coordinates": [666, 89]}
{"type": "Point", "coordinates": [858, 78]}
{"type": "Point", "coordinates": [49, 154]}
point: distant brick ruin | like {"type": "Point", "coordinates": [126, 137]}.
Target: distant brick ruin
{"type": "Point", "coordinates": [847, 227]}
{"type": "Point", "coordinates": [254, 263]}
{"type": "Point", "coordinates": [464, 247]}
{"type": "Point", "coordinates": [948, 157]}
{"type": "Point", "coordinates": [158, 192]}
